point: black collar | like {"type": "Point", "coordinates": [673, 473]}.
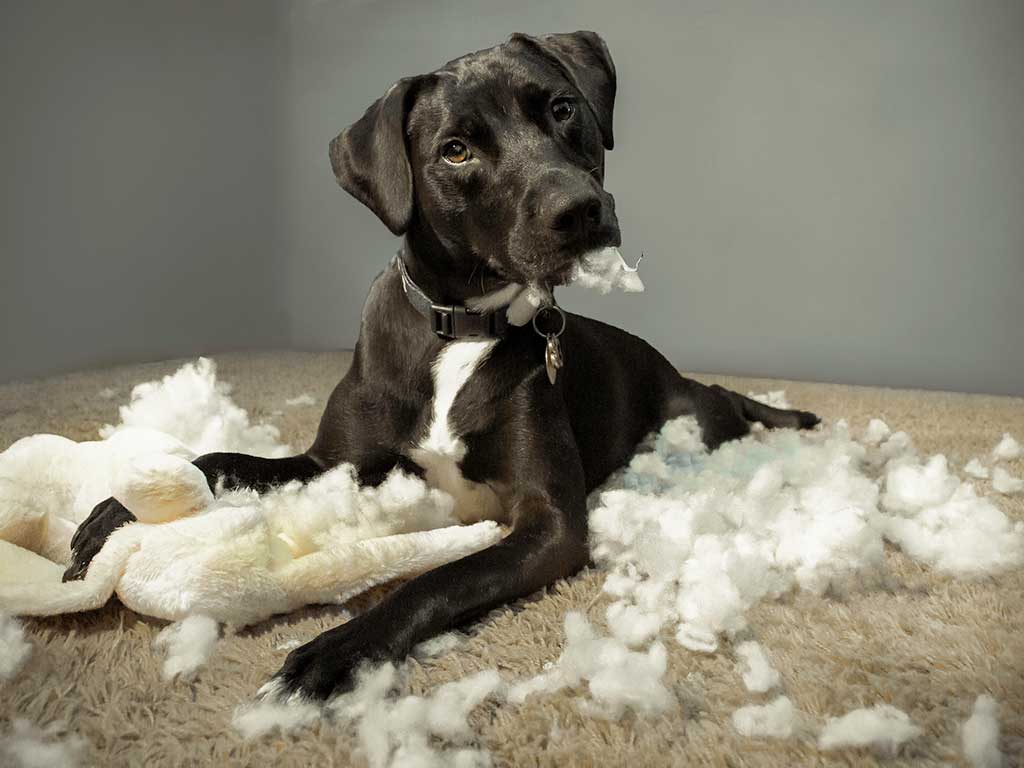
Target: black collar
{"type": "Point", "coordinates": [452, 321]}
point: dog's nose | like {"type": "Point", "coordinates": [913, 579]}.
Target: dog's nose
{"type": "Point", "coordinates": [574, 214]}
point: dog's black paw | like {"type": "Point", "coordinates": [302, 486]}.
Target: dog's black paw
{"type": "Point", "coordinates": [105, 518]}
{"type": "Point", "coordinates": [325, 666]}
{"type": "Point", "coordinates": [807, 420]}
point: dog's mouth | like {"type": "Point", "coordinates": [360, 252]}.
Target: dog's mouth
{"type": "Point", "coordinates": [562, 276]}
{"type": "Point", "coordinates": [559, 267]}
{"type": "Point", "coordinates": [602, 269]}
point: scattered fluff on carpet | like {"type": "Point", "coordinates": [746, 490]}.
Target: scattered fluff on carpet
{"type": "Point", "coordinates": [430, 731]}
{"type": "Point", "coordinates": [882, 727]}
{"type": "Point", "coordinates": [691, 541]}
{"type": "Point", "coordinates": [758, 673]}
{"type": "Point", "coordinates": [1007, 449]}
{"type": "Point", "coordinates": [617, 678]}
{"type": "Point", "coordinates": [14, 647]}
{"type": "Point", "coordinates": [776, 720]}
{"type": "Point", "coordinates": [197, 410]}
{"type": "Point", "coordinates": [189, 644]}
{"type": "Point", "coordinates": [1004, 482]}
{"type": "Point", "coordinates": [27, 746]}
{"type": "Point", "coordinates": [980, 734]}
{"type": "Point", "coordinates": [976, 469]}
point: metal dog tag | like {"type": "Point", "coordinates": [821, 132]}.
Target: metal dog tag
{"type": "Point", "coordinates": [553, 359]}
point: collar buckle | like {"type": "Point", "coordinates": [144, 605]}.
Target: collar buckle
{"type": "Point", "coordinates": [453, 321]}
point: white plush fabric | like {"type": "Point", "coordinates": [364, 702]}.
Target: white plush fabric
{"type": "Point", "coordinates": [236, 558]}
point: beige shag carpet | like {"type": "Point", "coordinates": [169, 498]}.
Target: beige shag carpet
{"type": "Point", "coordinates": [925, 644]}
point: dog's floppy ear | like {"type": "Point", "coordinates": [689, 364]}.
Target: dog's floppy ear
{"type": "Point", "coordinates": [371, 161]}
{"type": "Point", "coordinates": [584, 59]}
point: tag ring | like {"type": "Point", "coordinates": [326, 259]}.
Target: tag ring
{"type": "Point", "coordinates": [561, 314]}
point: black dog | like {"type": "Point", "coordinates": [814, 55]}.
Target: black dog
{"type": "Point", "coordinates": [492, 168]}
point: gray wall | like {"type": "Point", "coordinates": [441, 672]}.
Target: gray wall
{"type": "Point", "coordinates": [824, 190]}
{"type": "Point", "coordinates": [141, 182]}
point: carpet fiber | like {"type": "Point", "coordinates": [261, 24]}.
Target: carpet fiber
{"type": "Point", "coordinates": [923, 643]}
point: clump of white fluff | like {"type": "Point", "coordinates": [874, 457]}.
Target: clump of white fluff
{"type": "Point", "coordinates": [14, 647]}
{"type": "Point", "coordinates": [271, 715]}
{"type": "Point", "coordinates": [980, 734]}
{"type": "Point", "coordinates": [693, 540]}
{"type": "Point", "coordinates": [883, 727]}
{"type": "Point", "coordinates": [776, 719]}
{"type": "Point", "coordinates": [1006, 483]}
{"type": "Point", "coordinates": [617, 677]}
{"type": "Point", "coordinates": [910, 487]}
{"type": "Point", "coordinates": [976, 469]}
{"type": "Point", "coordinates": [758, 673]}
{"type": "Point", "coordinates": [876, 432]}
{"type": "Point", "coordinates": [28, 746]}
{"type": "Point", "coordinates": [194, 407]}
{"type": "Point", "coordinates": [393, 731]}
{"type": "Point", "coordinates": [1007, 449]}
{"type": "Point", "coordinates": [776, 398]}
{"type": "Point", "coordinates": [605, 270]}
{"type": "Point", "coordinates": [696, 539]}
{"type": "Point", "coordinates": [438, 645]}
{"type": "Point", "coordinates": [189, 644]}
{"type": "Point", "coordinates": [943, 522]}
{"type": "Point", "coordinates": [335, 509]}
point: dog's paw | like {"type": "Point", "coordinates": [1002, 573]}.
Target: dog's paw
{"type": "Point", "coordinates": [325, 666]}
{"type": "Point", "coordinates": [807, 420]}
{"type": "Point", "coordinates": [105, 518]}
{"type": "Point", "coordinates": [274, 691]}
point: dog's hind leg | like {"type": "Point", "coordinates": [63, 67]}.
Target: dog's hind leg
{"type": "Point", "coordinates": [726, 415]}
{"type": "Point", "coordinates": [773, 418]}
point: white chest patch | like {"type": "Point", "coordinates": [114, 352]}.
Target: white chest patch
{"type": "Point", "coordinates": [441, 450]}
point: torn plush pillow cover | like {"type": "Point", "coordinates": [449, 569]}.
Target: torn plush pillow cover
{"type": "Point", "coordinates": [238, 557]}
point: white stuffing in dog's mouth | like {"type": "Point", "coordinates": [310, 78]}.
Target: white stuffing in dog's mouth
{"type": "Point", "coordinates": [602, 269]}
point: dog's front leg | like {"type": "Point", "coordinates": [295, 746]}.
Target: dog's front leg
{"type": "Point", "coordinates": [234, 470]}
{"type": "Point", "coordinates": [548, 542]}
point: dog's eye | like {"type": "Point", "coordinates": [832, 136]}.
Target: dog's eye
{"type": "Point", "coordinates": [562, 109]}
{"type": "Point", "coordinates": [455, 152]}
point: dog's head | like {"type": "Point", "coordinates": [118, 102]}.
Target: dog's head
{"type": "Point", "coordinates": [498, 157]}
